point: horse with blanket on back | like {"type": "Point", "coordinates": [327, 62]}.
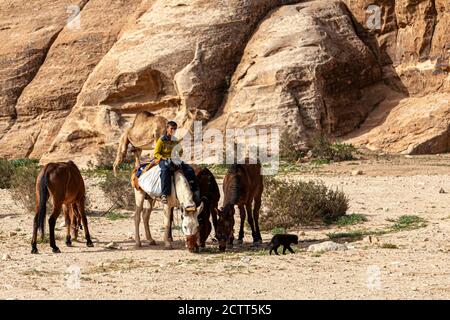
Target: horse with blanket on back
{"type": "Point", "coordinates": [182, 191]}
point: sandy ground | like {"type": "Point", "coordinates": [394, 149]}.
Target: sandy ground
{"type": "Point", "coordinates": [389, 188]}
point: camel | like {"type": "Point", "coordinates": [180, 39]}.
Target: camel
{"type": "Point", "coordinates": [147, 128]}
{"type": "Point", "coordinates": [142, 135]}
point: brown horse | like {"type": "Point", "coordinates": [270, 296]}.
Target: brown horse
{"type": "Point", "coordinates": [64, 183]}
{"type": "Point", "coordinates": [72, 220]}
{"type": "Point", "coordinates": [210, 195]}
{"type": "Point", "coordinates": [242, 186]}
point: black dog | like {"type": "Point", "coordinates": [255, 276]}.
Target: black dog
{"type": "Point", "coordinates": [284, 240]}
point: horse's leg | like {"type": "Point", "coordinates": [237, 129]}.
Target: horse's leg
{"type": "Point", "coordinates": [82, 214]}
{"type": "Point", "coordinates": [167, 223]}
{"type": "Point", "coordinates": [251, 221]}
{"type": "Point", "coordinates": [139, 197]}
{"type": "Point", "coordinates": [256, 218]}
{"type": "Point", "coordinates": [241, 227]}
{"type": "Point", "coordinates": [52, 222]}
{"type": "Point", "coordinates": [34, 237]}
{"type": "Point", "coordinates": [76, 223]}
{"type": "Point", "coordinates": [148, 207]}
{"type": "Point", "coordinates": [171, 222]}
{"type": "Point", "coordinates": [67, 217]}
{"type": "Point", "coordinates": [214, 219]}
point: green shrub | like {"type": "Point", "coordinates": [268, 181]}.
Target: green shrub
{"type": "Point", "coordinates": [408, 222]}
{"type": "Point", "coordinates": [118, 190]}
{"type": "Point", "coordinates": [351, 219]}
{"type": "Point", "coordinates": [290, 204]}
{"type": "Point", "coordinates": [24, 162]}
{"type": "Point", "coordinates": [116, 216]}
{"type": "Point", "coordinates": [6, 173]}
{"type": "Point", "coordinates": [278, 230]}
{"type": "Point", "coordinates": [324, 150]}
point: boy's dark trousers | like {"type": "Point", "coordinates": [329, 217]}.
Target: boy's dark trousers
{"type": "Point", "coordinates": [165, 175]}
{"type": "Point", "coordinates": [188, 172]}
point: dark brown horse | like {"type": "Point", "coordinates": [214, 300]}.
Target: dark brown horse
{"type": "Point", "coordinates": [64, 183]}
{"type": "Point", "coordinates": [242, 186]}
{"type": "Point", "coordinates": [210, 195]}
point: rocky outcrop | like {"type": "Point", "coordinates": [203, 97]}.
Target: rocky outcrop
{"type": "Point", "coordinates": [27, 31]}
{"type": "Point", "coordinates": [305, 66]}
{"type": "Point", "coordinates": [306, 71]}
{"type": "Point", "coordinates": [413, 41]}
{"type": "Point", "coordinates": [177, 57]}
{"type": "Point", "coordinates": [48, 99]}
{"type": "Point", "coordinates": [417, 125]}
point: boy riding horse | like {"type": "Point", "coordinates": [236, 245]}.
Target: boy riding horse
{"type": "Point", "coordinates": [164, 152]}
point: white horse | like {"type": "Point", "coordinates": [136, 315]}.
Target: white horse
{"type": "Point", "coordinates": [180, 197]}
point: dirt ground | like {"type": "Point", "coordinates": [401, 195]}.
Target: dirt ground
{"type": "Point", "coordinates": [388, 188]}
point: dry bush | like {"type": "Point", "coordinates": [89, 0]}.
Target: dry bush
{"type": "Point", "coordinates": [23, 184]}
{"type": "Point", "coordinates": [105, 158]}
{"type": "Point", "coordinates": [118, 190]}
{"type": "Point", "coordinates": [290, 204]}
{"type": "Point", "coordinates": [6, 174]}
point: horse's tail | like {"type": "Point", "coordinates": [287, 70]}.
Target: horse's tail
{"type": "Point", "coordinates": [43, 196]}
{"type": "Point", "coordinates": [121, 151]}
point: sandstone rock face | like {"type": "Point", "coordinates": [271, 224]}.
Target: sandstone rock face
{"type": "Point", "coordinates": [353, 69]}
{"type": "Point", "coordinates": [176, 58]}
{"type": "Point", "coordinates": [406, 126]}
{"type": "Point", "coordinates": [27, 30]}
{"type": "Point", "coordinates": [306, 62]}
{"type": "Point", "coordinates": [414, 49]}
{"type": "Point", "coordinates": [54, 89]}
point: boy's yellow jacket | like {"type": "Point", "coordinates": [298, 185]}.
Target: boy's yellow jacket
{"type": "Point", "coordinates": [164, 148]}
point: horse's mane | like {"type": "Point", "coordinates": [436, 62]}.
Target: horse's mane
{"type": "Point", "coordinates": [234, 188]}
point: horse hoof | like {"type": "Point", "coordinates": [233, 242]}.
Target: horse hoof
{"type": "Point", "coordinates": [239, 241]}
{"type": "Point", "coordinates": [89, 244]}
{"type": "Point", "coordinates": [56, 250]}
{"type": "Point", "coordinates": [168, 247]}
{"type": "Point", "coordinates": [152, 243]}
{"type": "Point", "coordinates": [34, 251]}
{"type": "Point", "coordinates": [138, 245]}
{"type": "Point", "coordinates": [68, 244]}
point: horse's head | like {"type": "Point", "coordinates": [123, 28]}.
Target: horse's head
{"type": "Point", "coordinates": [225, 225]}
{"type": "Point", "coordinates": [190, 225]}
{"type": "Point", "coordinates": [189, 211]}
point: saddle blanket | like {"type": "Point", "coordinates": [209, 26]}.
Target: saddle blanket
{"type": "Point", "coordinates": [150, 182]}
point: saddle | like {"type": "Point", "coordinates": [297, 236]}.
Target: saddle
{"type": "Point", "coordinates": [137, 172]}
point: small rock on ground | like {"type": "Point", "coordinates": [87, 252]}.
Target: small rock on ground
{"type": "Point", "coordinates": [6, 257]}
{"type": "Point", "coordinates": [326, 246]}
{"type": "Point", "coordinates": [112, 245]}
